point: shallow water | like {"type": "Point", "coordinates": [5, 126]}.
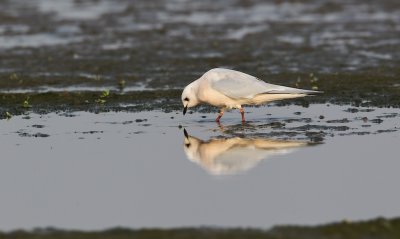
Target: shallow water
{"type": "Point", "coordinates": [93, 171]}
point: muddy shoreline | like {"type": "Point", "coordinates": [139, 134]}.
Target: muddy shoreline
{"type": "Point", "coordinates": [375, 228]}
{"type": "Point", "coordinates": [342, 89]}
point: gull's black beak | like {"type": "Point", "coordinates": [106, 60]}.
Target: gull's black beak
{"type": "Point", "coordinates": [186, 133]}
{"type": "Point", "coordinates": [184, 110]}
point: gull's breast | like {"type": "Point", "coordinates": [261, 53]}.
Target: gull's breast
{"type": "Point", "coordinates": [213, 97]}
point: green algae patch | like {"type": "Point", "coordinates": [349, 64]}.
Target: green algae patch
{"type": "Point", "coordinates": [377, 229]}
{"type": "Point", "coordinates": [16, 104]}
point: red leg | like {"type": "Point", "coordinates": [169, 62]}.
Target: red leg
{"type": "Point", "coordinates": [242, 112]}
{"type": "Point", "coordinates": [221, 113]}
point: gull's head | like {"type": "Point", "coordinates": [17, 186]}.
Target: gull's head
{"type": "Point", "coordinates": [189, 97]}
{"type": "Point", "coordinates": [191, 146]}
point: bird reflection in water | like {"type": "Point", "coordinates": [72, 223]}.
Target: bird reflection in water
{"type": "Point", "coordinates": [229, 156]}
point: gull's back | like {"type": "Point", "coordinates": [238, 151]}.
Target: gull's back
{"type": "Point", "coordinates": [239, 85]}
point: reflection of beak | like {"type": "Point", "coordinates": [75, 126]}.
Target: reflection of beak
{"type": "Point", "coordinates": [184, 110]}
{"type": "Point", "coordinates": [187, 141]}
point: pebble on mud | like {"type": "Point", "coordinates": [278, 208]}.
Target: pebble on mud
{"type": "Point", "coordinates": [365, 119]}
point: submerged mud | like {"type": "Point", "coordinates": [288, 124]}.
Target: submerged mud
{"type": "Point", "coordinates": [314, 123]}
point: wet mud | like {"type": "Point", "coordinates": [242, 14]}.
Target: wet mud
{"type": "Point", "coordinates": [341, 91]}
{"type": "Point", "coordinates": [63, 56]}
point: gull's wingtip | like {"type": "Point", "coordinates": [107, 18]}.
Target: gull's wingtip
{"type": "Point", "coordinates": [316, 92]}
{"type": "Point", "coordinates": [307, 91]}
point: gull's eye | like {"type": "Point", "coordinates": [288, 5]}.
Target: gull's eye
{"type": "Point", "coordinates": [187, 145]}
{"type": "Point", "coordinates": [186, 99]}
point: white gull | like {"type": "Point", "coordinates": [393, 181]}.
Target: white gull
{"type": "Point", "coordinates": [229, 89]}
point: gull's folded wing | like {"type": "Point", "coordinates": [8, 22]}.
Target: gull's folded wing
{"type": "Point", "coordinates": [235, 84]}
{"type": "Point", "coordinates": [238, 85]}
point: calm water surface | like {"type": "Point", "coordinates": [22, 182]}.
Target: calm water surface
{"type": "Point", "coordinates": [95, 171]}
